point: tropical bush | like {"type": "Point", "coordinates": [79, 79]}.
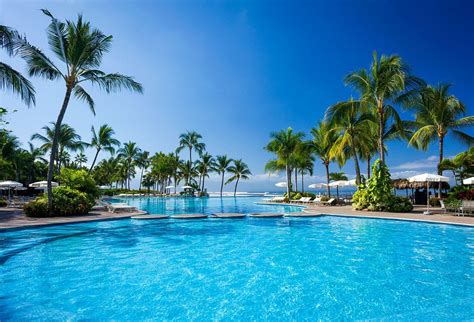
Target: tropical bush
{"type": "Point", "coordinates": [324, 198]}
{"type": "Point", "coordinates": [3, 202]}
{"type": "Point", "coordinates": [377, 195]}
{"type": "Point", "coordinates": [297, 196]}
{"type": "Point", "coordinates": [434, 202]}
{"type": "Point", "coordinates": [308, 194]}
{"type": "Point", "coordinates": [79, 180]}
{"type": "Point", "coordinates": [66, 202]}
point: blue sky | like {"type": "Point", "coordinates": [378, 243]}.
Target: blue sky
{"type": "Point", "coordinates": [235, 71]}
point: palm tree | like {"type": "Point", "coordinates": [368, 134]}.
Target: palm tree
{"type": "Point", "coordinates": [67, 140]}
{"type": "Point", "coordinates": [221, 167]}
{"type": "Point", "coordinates": [9, 77]}
{"type": "Point", "coordinates": [190, 140]}
{"type": "Point", "coordinates": [81, 48]}
{"type": "Point", "coordinates": [239, 170]}
{"type": "Point", "coordinates": [304, 161]}
{"type": "Point", "coordinates": [351, 120]}
{"type": "Point", "coordinates": [205, 166]}
{"type": "Point", "coordinates": [462, 165]}
{"type": "Point", "coordinates": [284, 144]}
{"type": "Point", "coordinates": [143, 162]}
{"type": "Point", "coordinates": [323, 139]}
{"type": "Point", "coordinates": [80, 159]}
{"type": "Point", "coordinates": [103, 140]}
{"type": "Point", "coordinates": [130, 153]}
{"type": "Point", "coordinates": [387, 81]}
{"type": "Point", "coordinates": [337, 176]}
{"type": "Point", "coordinates": [438, 113]}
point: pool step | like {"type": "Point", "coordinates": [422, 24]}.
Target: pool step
{"type": "Point", "coordinates": [266, 215]}
{"type": "Point", "coordinates": [228, 215]}
{"type": "Point", "coordinates": [189, 216]}
{"type": "Point", "coordinates": [150, 217]}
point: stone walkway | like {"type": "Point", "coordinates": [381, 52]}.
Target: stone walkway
{"type": "Point", "coordinates": [16, 218]}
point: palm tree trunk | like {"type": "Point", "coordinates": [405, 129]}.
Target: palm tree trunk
{"type": "Point", "coordinates": [95, 159]}
{"type": "Point", "coordinates": [296, 179]}
{"type": "Point", "coordinates": [190, 165]}
{"type": "Point", "coordinates": [368, 165]}
{"type": "Point", "coordinates": [381, 128]}
{"type": "Point", "coordinates": [326, 164]}
{"type": "Point", "coordinates": [141, 177]}
{"type": "Point", "coordinates": [235, 188]}
{"type": "Point", "coordinates": [54, 147]}
{"type": "Point", "coordinates": [302, 181]}
{"type": "Point", "coordinates": [222, 182]}
{"type": "Point", "coordinates": [288, 176]}
{"type": "Point", "coordinates": [356, 162]}
{"type": "Point", "coordinates": [203, 178]}
{"type": "Point", "coordinates": [440, 171]}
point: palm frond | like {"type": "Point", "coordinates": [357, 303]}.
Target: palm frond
{"type": "Point", "coordinates": [115, 82]}
{"type": "Point", "coordinates": [13, 80]}
{"type": "Point", "coordinates": [82, 95]}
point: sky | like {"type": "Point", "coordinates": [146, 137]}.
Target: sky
{"type": "Point", "coordinates": [235, 71]}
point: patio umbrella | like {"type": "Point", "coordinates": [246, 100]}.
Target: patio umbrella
{"type": "Point", "coordinates": [186, 187]}
{"type": "Point", "coordinates": [317, 185]}
{"type": "Point", "coordinates": [427, 178]}
{"type": "Point", "coordinates": [42, 184]}
{"type": "Point", "coordinates": [281, 184]}
{"type": "Point", "coordinates": [340, 183]}
{"type": "Point", "coordinates": [8, 184]}
{"type": "Point", "coordinates": [468, 180]}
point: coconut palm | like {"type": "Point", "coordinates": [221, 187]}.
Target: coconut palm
{"type": "Point", "coordinates": [437, 114]}
{"type": "Point", "coordinates": [351, 121]}
{"type": "Point", "coordinates": [80, 159]}
{"type": "Point", "coordinates": [129, 152]}
{"type": "Point", "coordinates": [462, 165]}
{"type": "Point", "coordinates": [323, 139]}
{"type": "Point", "coordinates": [205, 166]}
{"type": "Point", "coordinates": [191, 140]}
{"type": "Point", "coordinates": [284, 144]}
{"type": "Point", "coordinates": [387, 81]}
{"type": "Point", "coordinates": [9, 77]}
{"type": "Point", "coordinates": [221, 167]}
{"type": "Point", "coordinates": [304, 162]}
{"type": "Point", "coordinates": [67, 140]}
{"type": "Point", "coordinates": [103, 140]}
{"type": "Point", "coordinates": [143, 162]}
{"type": "Point", "coordinates": [80, 47]}
{"type": "Point", "coordinates": [239, 171]}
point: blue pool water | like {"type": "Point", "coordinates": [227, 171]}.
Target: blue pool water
{"type": "Point", "coordinates": [170, 206]}
{"type": "Point", "coordinates": [248, 269]}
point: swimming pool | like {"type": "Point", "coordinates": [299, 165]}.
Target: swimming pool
{"type": "Point", "coordinates": [247, 269]}
{"type": "Point", "coordinates": [171, 206]}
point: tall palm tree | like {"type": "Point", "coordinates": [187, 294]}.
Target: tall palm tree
{"type": "Point", "coordinates": [9, 77]}
{"type": "Point", "coordinates": [143, 162]}
{"type": "Point", "coordinates": [239, 170]}
{"type": "Point", "coordinates": [304, 161]}
{"type": "Point", "coordinates": [323, 139]}
{"type": "Point", "coordinates": [67, 140]}
{"type": "Point", "coordinates": [222, 166]}
{"type": "Point", "coordinates": [129, 152]}
{"type": "Point", "coordinates": [436, 114]}
{"type": "Point", "coordinates": [191, 140]}
{"type": "Point", "coordinates": [103, 140]}
{"type": "Point", "coordinates": [284, 144]}
{"type": "Point", "coordinates": [80, 48]}
{"type": "Point", "coordinates": [387, 81]}
{"type": "Point", "coordinates": [351, 121]}
{"type": "Point", "coordinates": [205, 166]}
{"type": "Point", "coordinates": [80, 159]}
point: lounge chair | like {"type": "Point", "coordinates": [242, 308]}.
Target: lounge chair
{"type": "Point", "coordinates": [301, 200]}
{"type": "Point", "coordinates": [466, 207]}
{"type": "Point", "coordinates": [121, 207]}
{"type": "Point", "coordinates": [330, 202]}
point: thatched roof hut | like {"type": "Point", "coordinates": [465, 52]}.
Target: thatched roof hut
{"type": "Point", "coordinates": [402, 184]}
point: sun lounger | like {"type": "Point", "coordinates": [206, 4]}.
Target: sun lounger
{"type": "Point", "coordinates": [121, 207]}
{"type": "Point", "coordinates": [330, 202]}
{"type": "Point", "coordinates": [301, 200]}
{"type": "Point", "coordinates": [466, 207]}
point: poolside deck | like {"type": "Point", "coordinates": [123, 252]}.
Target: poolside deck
{"type": "Point", "coordinates": [15, 218]}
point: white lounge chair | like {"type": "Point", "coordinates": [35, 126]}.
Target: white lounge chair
{"type": "Point", "coordinates": [121, 207]}
{"type": "Point", "coordinates": [330, 202]}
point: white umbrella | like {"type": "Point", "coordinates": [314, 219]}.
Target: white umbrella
{"type": "Point", "coordinates": [186, 187]}
{"type": "Point", "coordinates": [340, 183]}
{"type": "Point", "coordinates": [8, 184]}
{"type": "Point", "coordinates": [42, 184]}
{"type": "Point", "coordinates": [468, 180]}
{"type": "Point", "coordinates": [281, 184]}
{"type": "Point", "coordinates": [317, 185]}
{"type": "Point", "coordinates": [104, 187]}
{"type": "Point", "coordinates": [169, 187]}
{"type": "Point", "coordinates": [428, 177]}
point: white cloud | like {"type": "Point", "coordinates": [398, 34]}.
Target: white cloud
{"type": "Point", "coordinates": [429, 163]}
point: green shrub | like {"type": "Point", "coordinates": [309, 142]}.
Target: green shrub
{"type": "Point", "coordinates": [66, 202]}
{"type": "Point", "coordinates": [378, 195]}
{"type": "Point", "coordinates": [37, 208]}
{"type": "Point", "coordinates": [297, 196]}
{"type": "Point", "coordinates": [3, 202]}
{"type": "Point", "coordinates": [293, 194]}
{"type": "Point", "coordinates": [308, 194]}
{"type": "Point", "coordinates": [324, 198]}
{"type": "Point", "coordinates": [79, 180]}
